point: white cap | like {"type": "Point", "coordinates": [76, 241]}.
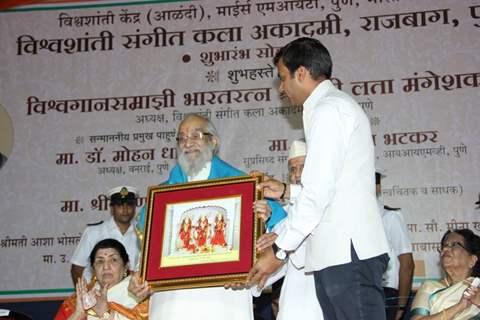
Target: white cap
{"type": "Point", "coordinates": [119, 189]}
{"type": "Point", "coordinates": [297, 149]}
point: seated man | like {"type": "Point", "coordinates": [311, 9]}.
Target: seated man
{"type": "Point", "coordinates": [198, 145]}
{"type": "Point", "coordinates": [123, 201]}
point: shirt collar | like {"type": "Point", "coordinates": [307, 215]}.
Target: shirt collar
{"type": "Point", "coordinates": [311, 103]}
{"type": "Point", "coordinates": [113, 226]}
{"type": "Point", "coordinates": [320, 90]}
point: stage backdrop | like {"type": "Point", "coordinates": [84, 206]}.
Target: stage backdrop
{"type": "Point", "coordinates": [92, 94]}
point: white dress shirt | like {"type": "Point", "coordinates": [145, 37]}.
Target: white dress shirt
{"type": "Point", "coordinates": [336, 205]}
{"type": "Point", "coordinates": [399, 241]}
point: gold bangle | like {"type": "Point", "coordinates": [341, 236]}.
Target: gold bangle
{"type": "Point", "coordinates": [444, 317]}
{"type": "Point", "coordinates": [91, 312]}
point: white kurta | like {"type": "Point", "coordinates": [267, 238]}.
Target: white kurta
{"type": "Point", "coordinates": [298, 295]}
{"type": "Point", "coordinates": [214, 303]}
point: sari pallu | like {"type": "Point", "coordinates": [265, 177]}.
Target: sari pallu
{"type": "Point", "coordinates": [434, 296]}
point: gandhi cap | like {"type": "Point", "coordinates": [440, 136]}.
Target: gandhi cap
{"type": "Point", "coordinates": [297, 149]}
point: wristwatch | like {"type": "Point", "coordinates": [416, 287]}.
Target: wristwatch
{"type": "Point", "coordinates": [279, 253]}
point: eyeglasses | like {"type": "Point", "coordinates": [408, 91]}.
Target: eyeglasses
{"type": "Point", "coordinates": [452, 245]}
{"type": "Point", "coordinates": [195, 136]}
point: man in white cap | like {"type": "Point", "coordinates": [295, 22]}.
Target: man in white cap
{"type": "Point", "coordinates": [298, 295]}
{"type": "Point", "coordinates": [123, 201]}
{"type": "Point", "coordinates": [296, 161]}
{"type": "Point", "coordinates": [397, 280]}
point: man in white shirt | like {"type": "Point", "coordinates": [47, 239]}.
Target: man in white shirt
{"type": "Point", "coordinates": [335, 208]}
{"type": "Point", "coordinates": [397, 280]}
{"type": "Point", "coordinates": [123, 202]}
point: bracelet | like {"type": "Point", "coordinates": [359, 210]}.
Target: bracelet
{"type": "Point", "coordinates": [105, 316]}
{"type": "Point", "coordinates": [444, 317]}
{"type": "Point", "coordinates": [284, 190]}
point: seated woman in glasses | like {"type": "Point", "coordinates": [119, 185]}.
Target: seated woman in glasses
{"type": "Point", "coordinates": [452, 297]}
{"type": "Point", "coordinates": [107, 297]}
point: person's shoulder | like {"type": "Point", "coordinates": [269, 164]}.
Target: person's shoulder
{"type": "Point", "coordinates": [338, 101]}
{"type": "Point", "coordinates": [431, 285]}
{"type": "Point", "coordinates": [392, 214]}
{"type": "Point", "coordinates": [336, 104]}
{"type": "Point", "coordinates": [94, 224]}
{"type": "Point", "coordinates": [94, 227]}
{"type": "Point", "coordinates": [216, 161]}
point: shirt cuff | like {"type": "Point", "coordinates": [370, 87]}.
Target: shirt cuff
{"type": "Point", "coordinates": [289, 239]}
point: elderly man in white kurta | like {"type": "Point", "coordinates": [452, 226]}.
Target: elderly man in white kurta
{"type": "Point", "coordinates": [198, 144]}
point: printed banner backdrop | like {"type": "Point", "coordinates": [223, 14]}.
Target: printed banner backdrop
{"type": "Point", "coordinates": [91, 96]}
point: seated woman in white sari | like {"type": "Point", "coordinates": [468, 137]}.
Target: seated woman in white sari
{"type": "Point", "coordinates": [452, 297]}
{"type": "Point", "coordinates": [107, 296]}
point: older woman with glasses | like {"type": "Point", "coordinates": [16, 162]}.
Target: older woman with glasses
{"type": "Point", "coordinates": [452, 297]}
{"type": "Point", "coordinates": [107, 297]}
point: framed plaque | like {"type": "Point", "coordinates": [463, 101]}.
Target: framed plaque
{"type": "Point", "coordinates": [200, 234]}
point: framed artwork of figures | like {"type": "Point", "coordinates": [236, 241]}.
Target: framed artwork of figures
{"type": "Point", "coordinates": [200, 234]}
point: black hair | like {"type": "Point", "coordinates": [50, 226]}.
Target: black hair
{"type": "Point", "coordinates": [109, 244]}
{"type": "Point", "coordinates": [472, 245]}
{"type": "Point", "coordinates": [309, 53]}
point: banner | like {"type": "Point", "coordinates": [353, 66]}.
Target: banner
{"type": "Point", "coordinates": [91, 97]}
